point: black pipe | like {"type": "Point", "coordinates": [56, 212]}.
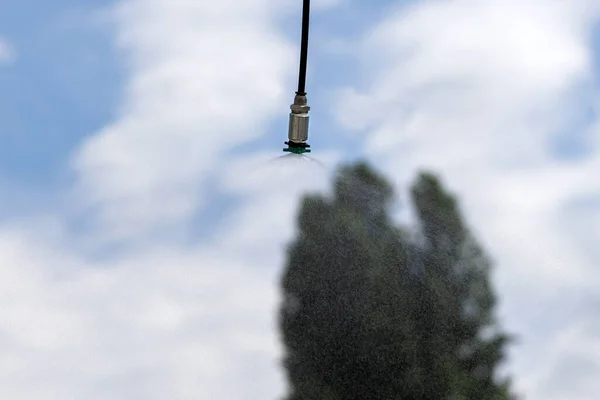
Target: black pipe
{"type": "Point", "coordinates": [304, 48]}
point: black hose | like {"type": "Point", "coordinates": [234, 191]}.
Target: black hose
{"type": "Point", "coordinates": [304, 49]}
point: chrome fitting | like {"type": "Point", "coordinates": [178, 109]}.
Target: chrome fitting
{"type": "Point", "coordinates": [298, 128]}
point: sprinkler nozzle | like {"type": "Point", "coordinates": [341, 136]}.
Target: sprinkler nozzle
{"type": "Point", "coordinates": [298, 128]}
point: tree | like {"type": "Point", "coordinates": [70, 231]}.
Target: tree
{"type": "Point", "coordinates": [461, 329]}
{"type": "Point", "coordinates": [369, 313]}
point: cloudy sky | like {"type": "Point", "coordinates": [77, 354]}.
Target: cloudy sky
{"type": "Point", "coordinates": [142, 229]}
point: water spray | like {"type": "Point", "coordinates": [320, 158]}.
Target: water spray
{"type": "Point", "coordinates": [298, 127]}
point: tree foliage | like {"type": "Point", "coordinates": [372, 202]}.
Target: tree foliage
{"type": "Point", "coordinates": [372, 311]}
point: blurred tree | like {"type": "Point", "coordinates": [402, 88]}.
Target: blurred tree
{"type": "Point", "coordinates": [369, 313]}
{"type": "Point", "coordinates": [458, 328]}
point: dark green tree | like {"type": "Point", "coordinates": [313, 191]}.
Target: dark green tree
{"type": "Point", "coordinates": [369, 313]}
{"type": "Point", "coordinates": [458, 327]}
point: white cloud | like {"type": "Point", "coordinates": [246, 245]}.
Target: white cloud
{"type": "Point", "coordinates": [476, 90]}
{"type": "Point", "coordinates": [186, 320]}
{"type": "Point", "coordinates": [204, 77]}
{"type": "Point", "coordinates": [7, 52]}
{"type": "Point", "coordinates": [165, 323]}
{"type": "Point", "coordinates": [159, 319]}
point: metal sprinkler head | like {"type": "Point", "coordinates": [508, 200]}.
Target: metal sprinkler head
{"type": "Point", "coordinates": [298, 127]}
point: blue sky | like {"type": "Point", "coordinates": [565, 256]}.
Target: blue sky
{"type": "Point", "coordinates": [67, 81]}
{"type": "Point", "coordinates": [133, 205]}
{"type": "Point", "coordinates": [64, 84]}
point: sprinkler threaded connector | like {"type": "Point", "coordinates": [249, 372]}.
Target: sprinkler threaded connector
{"type": "Point", "coordinates": [298, 127]}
